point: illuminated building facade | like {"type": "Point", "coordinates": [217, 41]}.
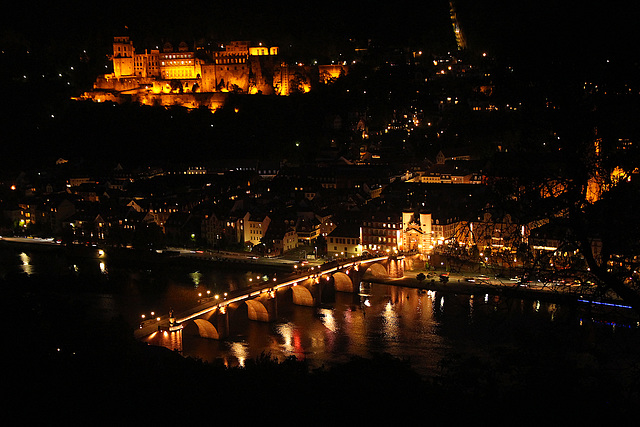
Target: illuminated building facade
{"type": "Point", "coordinates": [344, 242]}
{"type": "Point", "coordinates": [178, 65]}
{"type": "Point", "coordinates": [382, 232]}
{"type": "Point", "coordinates": [147, 64]}
{"type": "Point", "coordinates": [392, 232]}
{"type": "Point", "coordinates": [416, 232]}
{"type": "Point", "coordinates": [252, 228]}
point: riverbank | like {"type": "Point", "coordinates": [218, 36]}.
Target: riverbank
{"type": "Point", "coordinates": [614, 310]}
{"type": "Point", "coordinates": [225, 259]}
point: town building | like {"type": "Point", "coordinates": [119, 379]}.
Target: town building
{"type": "Point", "coordinates": [344, 242]}
{"type": "Point", "coordinates": [252, 228]}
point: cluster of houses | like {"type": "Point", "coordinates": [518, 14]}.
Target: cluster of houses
{"type": "Point", "coordinates": [340, 209]}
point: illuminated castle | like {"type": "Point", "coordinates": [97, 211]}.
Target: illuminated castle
{"type": "Point", "coordinates": [199, 77]}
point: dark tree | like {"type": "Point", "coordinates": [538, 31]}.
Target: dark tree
{"type": "Point", "coordinates": [580, 186]}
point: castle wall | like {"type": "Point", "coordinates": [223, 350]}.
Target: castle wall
{"type": "Point", "coordinates": [110, 82]}
{"type": "Point", "coordinates": [261, 74]}
{"type": "Point", "coordinates": [212, 101]}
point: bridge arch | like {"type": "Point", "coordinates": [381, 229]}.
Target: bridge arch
{"type": "Point", "coordinates": [376, 270]}
{"type": "Point", "coordinates": [206, 329]}
{"type": "Point", "coordinates": [257, 311]}
{"type": "Point", "coordinates": [302, 296]}
{"type": "Point", "coordinates": [343, 282]}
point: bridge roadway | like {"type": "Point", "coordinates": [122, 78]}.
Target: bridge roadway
{"type": "Point", "coordinates": [162, 323]}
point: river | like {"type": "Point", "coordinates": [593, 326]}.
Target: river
{"type": "Point", "coordinates": [424, 327]}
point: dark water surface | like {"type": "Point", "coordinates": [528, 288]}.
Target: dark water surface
{"type": "Point", "coordinates": [425, 327]}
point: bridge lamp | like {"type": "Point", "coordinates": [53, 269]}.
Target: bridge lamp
{"type": "Point", "coordinates": [199, 294]}
{"type": "Point", "coordinates": [217, 296]}
{"type": "Point", "coordinates": [143, 316]}
{"type": "Point", "coordinates": [209, 293]}
{"type": "Point", "coordinates": [158, 319]}
{"type": "Point", "coordinates": [153, 313]}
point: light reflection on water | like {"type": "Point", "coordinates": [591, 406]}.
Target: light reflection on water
{"type": "Point", "coordinates": [397, 321]}
{"type": "Point", "coordinates": [402, 322]}
{"type": "Point", "coordinates": [26, 263]}
{"type": "Point", "coordinates": [422, 326]}
{"type": "Point", "coordinates": [239, 352]}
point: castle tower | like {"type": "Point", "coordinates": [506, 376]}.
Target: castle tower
{"type": "Point", "coordinates": [123, 54]}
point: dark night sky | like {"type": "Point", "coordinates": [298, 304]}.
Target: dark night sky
{"type": "Point", "coordinates": [543, 27]}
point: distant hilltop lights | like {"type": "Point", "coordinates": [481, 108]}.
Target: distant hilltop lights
{"type": "Point", "coordinates": [202, 77]}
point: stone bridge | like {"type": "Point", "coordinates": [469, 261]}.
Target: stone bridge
{"type": "Point", "coordinates": [300, 288]}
